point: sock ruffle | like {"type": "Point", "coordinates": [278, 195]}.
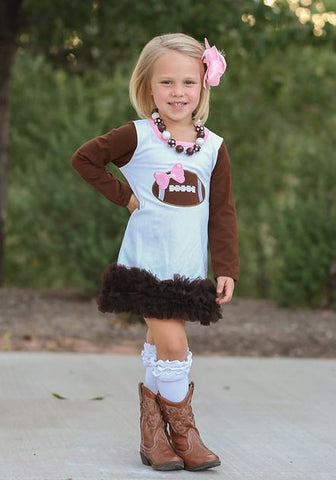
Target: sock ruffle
{"type": "Point", "coordinates": [172, 370]}
{"type": "Point", "coordinates": [148, 355]}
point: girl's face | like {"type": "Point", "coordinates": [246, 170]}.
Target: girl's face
{"type": "Point", "coordinates": [176, 85]}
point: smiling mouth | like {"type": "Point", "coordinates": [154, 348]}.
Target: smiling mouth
{"type": "Point", "coordinates": [177, 104]}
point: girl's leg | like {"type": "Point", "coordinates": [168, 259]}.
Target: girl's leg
{"type": "Point", "coordinates": [149, 358]}
{"type": "Point", "coordinates": [149, 338]}
{"type": "Point", "coordinates": [171, 371]}
{"type": "Point", "coordinates": [155, 448]}
{"type": "Point", "coordinates": [173, 357]}
{"type": "Point", "coordinates": [169, 337]}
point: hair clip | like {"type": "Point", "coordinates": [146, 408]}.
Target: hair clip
{"type": "Point", "coordinates": [216, 65]}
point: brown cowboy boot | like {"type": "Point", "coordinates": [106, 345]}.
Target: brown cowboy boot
{"type": "Point", "coordinates": [155, 448]}
{"type": "Point", "coordinates": [185, 437]}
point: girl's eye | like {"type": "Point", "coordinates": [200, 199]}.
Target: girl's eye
{"type": "Point", "coordinates": [169, 82]}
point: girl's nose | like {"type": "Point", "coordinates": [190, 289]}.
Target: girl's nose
{"type": "Point", "coordinates": [178, 91]}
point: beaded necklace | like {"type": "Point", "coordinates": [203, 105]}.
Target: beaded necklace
{"type": "Point", "coordinates": [171, 142]}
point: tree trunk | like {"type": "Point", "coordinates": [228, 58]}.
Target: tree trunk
{"type": "Point", "coordinates": [9, 14]}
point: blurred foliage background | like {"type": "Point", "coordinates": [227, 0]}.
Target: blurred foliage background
{"type": "Point", "coordinates": [275, 108]}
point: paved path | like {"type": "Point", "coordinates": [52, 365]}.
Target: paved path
{"type": "Point", "coordinates": [268, 419]}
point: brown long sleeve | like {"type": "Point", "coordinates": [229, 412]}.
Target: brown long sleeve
{"type": "Point", "coordinates": [222, 228]}
{"type": "Point", "coordinates": [90, 160]}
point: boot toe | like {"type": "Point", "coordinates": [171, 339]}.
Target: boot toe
{"type": "Point", "coordinates": [211, 462]}
{"type": "Point", "coordinates": [203, 466]}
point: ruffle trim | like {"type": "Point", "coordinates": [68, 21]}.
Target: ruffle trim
{"type": "Point", "coordinates": [140, 292]}
{"type": "Point", "coordinates": [172, 370]}
{"type": "Point", "coordinates": [148, 355]}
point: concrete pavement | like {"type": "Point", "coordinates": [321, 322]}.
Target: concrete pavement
{"type": "Point", "coordinates": [268, 419]}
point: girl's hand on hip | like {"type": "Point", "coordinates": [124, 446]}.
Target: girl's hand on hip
{"type": "Point", "coordinates": [133, 204]}
{"type": "Point", "coordinates": [225, 287]}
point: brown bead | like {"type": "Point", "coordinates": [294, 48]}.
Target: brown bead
{"type": "Point", "coordinates": [200, 134]}
{"type": "Point", "coordinates": [171, 142]}
{"type": "Point", "coordinates": [179, 148]}
{"type": "Point", "coordinates": [189, 151]}
{"type": "Point", "coordinates": [162, 127]}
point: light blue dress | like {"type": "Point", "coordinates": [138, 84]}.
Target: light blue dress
{"type": "Point", "coordinates": [168, 234]}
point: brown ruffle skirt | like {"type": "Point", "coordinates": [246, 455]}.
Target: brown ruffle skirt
{"type": "Point", "coordinates": [140, 292]}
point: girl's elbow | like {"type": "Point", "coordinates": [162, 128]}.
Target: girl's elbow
{"type": "Point", "coordinates": [75, 161]}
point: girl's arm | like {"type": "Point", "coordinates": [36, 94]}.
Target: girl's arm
{"type": "Point", "coordinates": [90, 160]}
{"type": "Point", "coordinates": [222, 228]}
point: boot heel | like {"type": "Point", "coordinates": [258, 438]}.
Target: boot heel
{"type": "Point", "coordinates": [145, 460]}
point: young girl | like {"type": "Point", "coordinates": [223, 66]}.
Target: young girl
{"type": "Point", "coordinates": [179, 194]}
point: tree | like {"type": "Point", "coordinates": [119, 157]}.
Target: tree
{"type": "Point", "coordinates": [9, 15]}
{"type": "Point", "coordinates": [105, 36]}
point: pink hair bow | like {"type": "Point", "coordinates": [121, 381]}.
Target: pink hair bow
{"type": "Point", "coordinates": [163, 179]}
{"type": "Point", "coordinates": [216, 65]}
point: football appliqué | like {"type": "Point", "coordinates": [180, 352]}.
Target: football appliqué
{"type": "Point", "coordinates": [173, 191]}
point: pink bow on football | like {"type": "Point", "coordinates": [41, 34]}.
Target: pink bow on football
{"type": "Point", "coordinates": [216, 65]}
{"type": "Point", "coordinates": [163, 179]}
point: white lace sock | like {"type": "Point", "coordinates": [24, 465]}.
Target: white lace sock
{"type": "Point", "coordinates": [172, 377]}
{"type": "Point", "coordinates": [149, 358]}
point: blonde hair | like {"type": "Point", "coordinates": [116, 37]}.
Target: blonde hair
{"type": "Point", "coordinates": [139, 86]}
